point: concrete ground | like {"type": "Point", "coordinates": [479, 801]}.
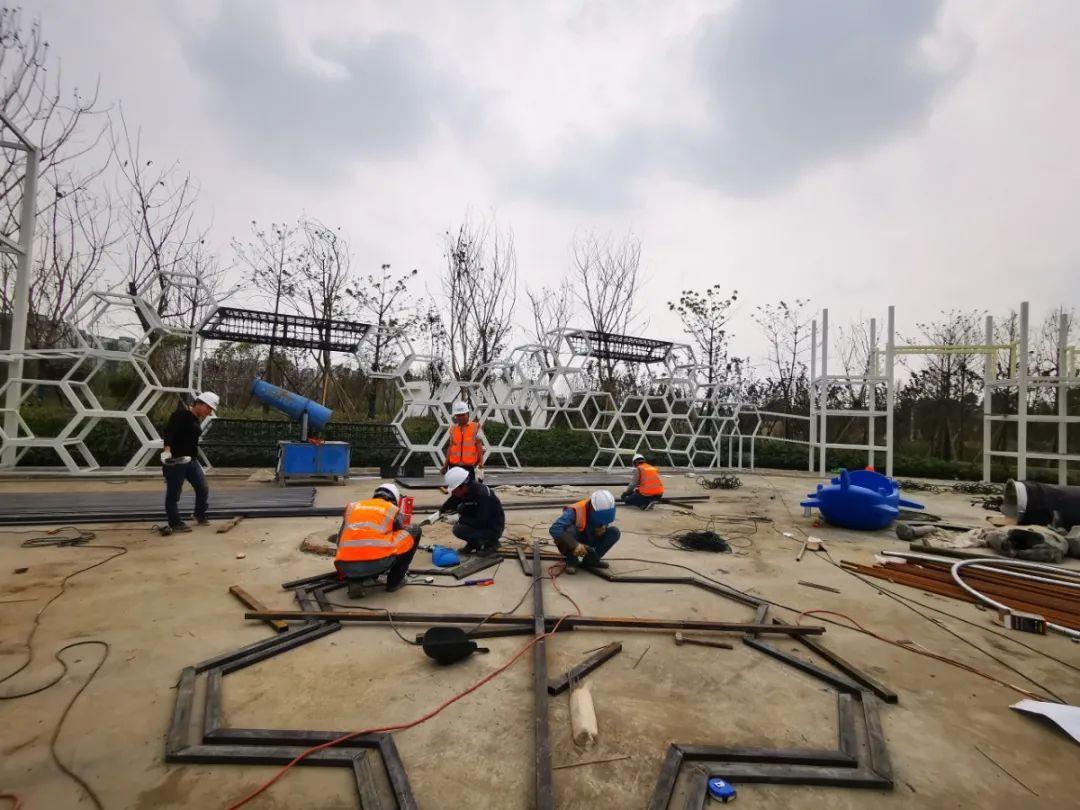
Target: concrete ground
{"type": "Point", "coordinates": [164, 605]}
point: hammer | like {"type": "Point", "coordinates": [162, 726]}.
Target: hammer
{"type": "Point", "coordinates": [680, 639]}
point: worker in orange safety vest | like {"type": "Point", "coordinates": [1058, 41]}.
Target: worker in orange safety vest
{"type": "Point", "coordinates": [645, 487]}
{"type": "Point", "coordinates": [464, 447]}
{"type": "Point", "coordinates": [374, 540]}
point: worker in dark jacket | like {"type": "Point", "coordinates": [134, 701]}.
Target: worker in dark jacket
{"type": "Point", "coordinates": [180, 460]}
{"type": "Point", "coordinates": [481, 520]}
{"type": "Point", "coordinates": [585, 531]}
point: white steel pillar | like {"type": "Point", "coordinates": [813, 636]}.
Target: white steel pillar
{"type": "Point", "coordinates": [989, 372]}
{"type": "Point", "coordinates": [24, 251]}
{"type": "Point", "coordinates": [1022, 395]}
{"type": "Point", "coordinates": [823, 390]}
{"type": "Point", "coordinates": [813, 394]}
{"type": "Point", "coordinates": [1063, 398]}
{"type": "Point", "coordinates": [871, 399]}
{"type": "Point", "coordinates": [890, 382]}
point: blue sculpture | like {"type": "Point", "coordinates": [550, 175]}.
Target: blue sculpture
{"type": "Point", "coordinates": [862, 499]}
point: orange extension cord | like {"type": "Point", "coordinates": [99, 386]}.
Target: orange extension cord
{"type": "Point", "coordinates": [553, 572]}
{"type": "Point", "coordinates": [925, 652]}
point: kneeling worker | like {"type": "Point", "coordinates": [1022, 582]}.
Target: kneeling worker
{"type": "Point", "coordinates": [481, 520]}
{"type": "Point", "coordinates": [586, 531]}
{"type": "Point", "coordinates": [645, 485]}
{"type": "Point", "coordinates": [374, 539]}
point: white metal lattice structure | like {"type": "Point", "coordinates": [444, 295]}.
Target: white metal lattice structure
{"type": "Point", "coordinates": [82, 363]}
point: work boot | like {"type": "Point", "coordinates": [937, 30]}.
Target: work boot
{"type": "Point", "coordinates": [178, 528]}
{"type": "Point", "coordinates": [571, 568]}
{"type": "Point", "coordinates": [594, 564]}
{"type": "Point", "coordinates": [355, 590]}
{"type": "Point", "coordinates": [395, 586]}
{"type": "Point", "coordinates": [488, 550]}
{"type": "Point", "coordinates": [203, 521]}
{"type": "Point", "coordinates": [468, 548]}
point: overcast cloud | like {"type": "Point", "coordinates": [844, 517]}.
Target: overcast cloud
{"type": "Point", "coordinates": [859, 154]}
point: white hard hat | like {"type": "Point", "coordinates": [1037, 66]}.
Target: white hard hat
{"type": "Point", "coordinates": [637, 457]}
{"type": "Point", "coordinates": [389, 489]}
{"type": "Point", "coordinates": [460, 407]}
{"type": "Point", "coordinates": [208, 398]}
{"type": "Point", "coordinates": [455, 477]}
{"type": "Point", "coordinates": [602, 500]}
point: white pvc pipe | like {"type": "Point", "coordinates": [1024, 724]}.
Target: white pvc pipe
{"type": "Point", "coordinates": [1011, 563]}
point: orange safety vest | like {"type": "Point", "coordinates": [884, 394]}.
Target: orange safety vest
{"type": "Point", "coordinates": [369, 534]}
{"type": "Point", "coordinates": [464, 447]}
{"type": "Point", "coordinates": [649, 482]}
{"type": "Point", "coordinates": [581, 512]}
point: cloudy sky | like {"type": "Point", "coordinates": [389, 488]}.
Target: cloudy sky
{"type": "Point", "coordinates": [855, 153]}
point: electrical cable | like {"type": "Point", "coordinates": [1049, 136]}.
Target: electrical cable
{"type": "Point", "coordinates": [62, 541]}
{"type": "Point", "coordinates": [552, 574]}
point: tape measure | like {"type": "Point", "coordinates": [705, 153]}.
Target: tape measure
{"type": "Point", "coordinates": [719, 789]}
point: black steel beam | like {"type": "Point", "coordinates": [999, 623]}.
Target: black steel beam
{"type": "Point", "coordinates": [597, 622]}
{"type": "Point", "coordinates": [395, 769]}
{"type": "Point", "coordinates": [834, 680]}
{"type": "Point", "coordinates": [289, 643]}
{"type": "Point", "coordinates": [665, 782]}
{"type": "Point", "coordinates": [177, 737]}
{"type": "Point", "coordinates": [849, 669]}
{"type": "Point", "coordinates": [562, 683]}
{"type": "Point", "coordinates": [329, 576]}
{"type": "Point", "coordinates": [545, 794]}
{"type": "Point", "coordinates": [771, 756]}
{"type": "Point", "coordinates": [288, 737]}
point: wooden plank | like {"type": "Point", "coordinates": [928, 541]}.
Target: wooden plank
{"type": "Point", "coordinates": [251, 603]}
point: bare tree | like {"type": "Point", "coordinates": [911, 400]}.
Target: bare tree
{"type": "Point", "coordinates": [324, 276]}
{"type": "Point", "coordinates": [74, 221]}
{"type": "Point", "coordinates": [161, 234]}
{"type": "Point", "coordinates": [552, 309]}
{"type": "Point", "coordinates": [787, 330]}
{"type": "Point", "coordinates": [480, 286]}
{"type": "Point", "coordinates": [380, 301]}
{"type": "Point", "coordinates": [607, 276]}
{"type": "Point", "coordinates": [271, 257]}
{"type": "Point", "coordinates": [705, 317]}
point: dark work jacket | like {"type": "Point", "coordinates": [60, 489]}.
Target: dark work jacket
{"type": "Point", "coordinates": [480, 508]}
{"type": "Point", "coordinates": [182, 433]}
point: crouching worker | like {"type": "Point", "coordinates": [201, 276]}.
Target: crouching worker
{"type": "Point", "coordinates": [374, 540]}
{"type": "Point", "coordinates": [586, 531]}
{"type": "Point", "coordinates": [481, 520]}
{"type": "Point", "coordinates": [645, 487]}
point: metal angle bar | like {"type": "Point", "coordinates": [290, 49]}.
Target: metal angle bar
{"type": "Point", "coordinates": [697, 791]}
{"type": "Point", "coordinates": [751, 773]}
{"type": "Point", "coordinates": [475, 565]}
{"type": "Point", "coordinates": [177, 736]}
{"type": "Point", "coordinates": [544, 791]}
{"type": "Point", "coordinates": [212, 705]}
{"type": "Point", "coordinates": [260, 755]}
{"type": "Point", "coordinates": [323, 629]}
{"type": "Point", "coordinates": [845, 666]}
{"type": "Point", "coordinates": [367, 786]}
{"type": "Point", "coordinates": [395, 769]}
{"type": "Point", "coordinates": [296, 583]}
{"type": "Point", "coordinates": [837, 681]}
{"type": "Point", "coordinates": [875, 738]}
{"type": "Point", "coordinates": [570, 622]}
{"type": "Point", "coordinates": [846, 734]}
{"type": "Point", "coordinates": [560, 684]}
{"type": "Point", "coordinates": [494, 632]}
{"type": "Point", "coordinates": [665, 782]}
{"type": "Point", "coordinates": [272, 641]}
{"type": "Point", "coordinates": [773, 756]}
{"type": "Point", "coordinates": [526, 566]}
{"type": "Point", "coordinates": [282, 736]}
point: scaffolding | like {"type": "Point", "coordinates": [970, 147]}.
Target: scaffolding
{"type": "Point", "coordinates": [284, 329]}
{"type": "Point", "coordinates": [613, 346]}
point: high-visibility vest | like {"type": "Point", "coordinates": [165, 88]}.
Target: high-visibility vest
{"type": "Point", "coordinates": [369, 534]}
{"type": "Point", "coordinates": [464, 447]}
{"type": "Point", "coordinates": [649, 482]}
{"type": "Point", "coordinates": [581, 510]}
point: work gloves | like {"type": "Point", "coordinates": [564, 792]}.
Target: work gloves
{"type": "Point", "coordinates": [568, 544]}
